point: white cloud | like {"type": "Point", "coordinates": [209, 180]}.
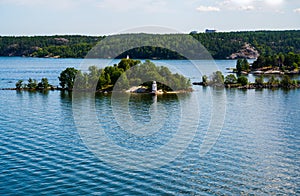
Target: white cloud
{"type": "Point", "coordinates": [252, 5]}
{"type": "Point", "coordinates": [207, 9]}
{"type": "Point", "coordinates": [245, 5]}
{"type": "Point", "coordinates": [252, 2]}
{"type": "Point", "coordinates": [274, 2]}
{"type": "Point", "coordinates": [56, 4]}
{"type": "Point", "coordinates": [125, 5]}
{"type": "Point", "coordinates": [247, 8]}
{"type": "Point", "coordinates": [243, 2]}
{"type": "Point", "coordinates": [297, 10]}
{"type": "Point", "coordinates": [111, 5]}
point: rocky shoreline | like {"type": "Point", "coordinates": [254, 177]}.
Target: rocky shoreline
{"type": "Point", "coordinates": [247, 51]}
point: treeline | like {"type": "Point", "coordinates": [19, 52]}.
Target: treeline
{"type": "Point", "coordinates": [64, 46]}
{"type": "Point", "coordinates": [171, 46]}
{"type": "Point", "coordinates": [289, 61]}
{"type": "Point", "coordinates": [221, 45]}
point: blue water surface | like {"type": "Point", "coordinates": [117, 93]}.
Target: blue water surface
{"type": "Point", "coordinates": [42, 152]}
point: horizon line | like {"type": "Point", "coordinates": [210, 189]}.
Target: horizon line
{"type": "Point", "coordinates": [120, 33]}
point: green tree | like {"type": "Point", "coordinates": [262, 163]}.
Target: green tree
{"type": "Point", "coordinates": [246, 65]}
{"type": "Point", "coordinates": [67, 78]}
{"type": "Point", "coordinates": [242, 80]}
{"type": "Point", "coordinates": [217, 79]}
{"type": "Point", "coordinates": [135, 81]}
{"type": "Point", "coordinates": [230, 79]}
{"type": "Point", "coordinates": [93, 77]}
{"type": "Point", "coordinates": [260, 62]}
{"type": "Point", "coordinates": [137, 76]}
{"type": "Point", "coordinates": [126, 64]}
{"type": "Point", "coordinates": [239, 65]}
{"type": "Point", "coordinates": [259, 81]}
{"type": "Point", "coordinates": [122, 83]}
{"type": "Point", "coordinates": [280, 60]}
{"type": "Point", "coordinates": [32, 83]}
{"type": "Point", "coordinates": [82, 81]}
{"type": "Point", "coordinates": [295, 66]}
{"type": "Point", "coordinates": [115, 75]}
{"type": "Point", "coordinates": [102, 82]}
{"type": "Point", "coordinates": [44, 84]}
{"type": "Point", "coordinates": [242, 65]}
{"type": "Point", "coordinates": [273, 82]}
{"type": "Point", "coordinates": [19, 84]}
{"type": "Point", "coordinates": [205, 80]}
{"type": "Point", "coordinates": [286, 82]}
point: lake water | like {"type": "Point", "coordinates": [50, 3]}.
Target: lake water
{"type": "Point", "coordinates": [54, 143]}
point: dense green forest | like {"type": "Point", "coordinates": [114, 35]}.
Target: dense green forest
{"type": "Point", "coordinates": [65, 46]}
{"type": "Point", "coordinates": [221, 45]}
{"type": "Point", "coordinates": [169, 46]}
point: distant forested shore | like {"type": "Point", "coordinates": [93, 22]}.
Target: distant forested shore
{"type": "Point", "coordinates": [221, 45]}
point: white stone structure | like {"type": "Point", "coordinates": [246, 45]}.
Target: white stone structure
{"type": "Point", "coordinates": [154, 87]}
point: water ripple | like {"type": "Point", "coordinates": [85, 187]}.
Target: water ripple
{"type": "Point", "coordinates": [256, 153]}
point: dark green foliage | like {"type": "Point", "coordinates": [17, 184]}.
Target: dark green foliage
{"type": "Point", "coordinates": [242, 80]}
{"type": "Point", "coordinates": [125, 74]}
{"type": "Point", "coordinates": [286, 82]}
{"type": "Point", "coordinates": [40, 46]}
{"type": "Point", "coordinates": [220, 45]}
{"type": "Point", "coordinates": [230, 79]}
{"type": "Point", "coordinates": [126, 64]}
{"type": "Point", "coordinates": [273, 82]}
{"type": "Point", "coordinates": [32, 84]}
{"type": "Point", "coordinates": [67, 78]}
{"type": "Point", "coordinates": [148, 72]}
{"type": "Point", "coordinates": [19, 84]}
{"type": "Point", "coordinates": [205, 80]}
{"type": "Point", "coordinates": [44, 84]}
{"type": "Point", "coordinates": [123, 83]}
{"type": "Point", "coordinates": [259, 81]}
{"type": "Point", "coordinates": [242, 65]}
{"type": "Point", "coordinates": [217, 79]}
{"type": "Point", "coordinates": [289, 61]}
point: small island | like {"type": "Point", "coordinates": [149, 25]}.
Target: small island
{"type": "Point", "coordinates": [128, 75]}
{"type": "Point", "coordinates": [132, 76]}
{"type": "Point", "coordinates": [217, 79]}
{"type": "Point", "coordinates": [279, 67]}
{"type": "Point", "coordinates": [270, 64]}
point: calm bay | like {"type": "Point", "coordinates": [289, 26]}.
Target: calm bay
{"type": "Point", "coordinates": [42, 151]}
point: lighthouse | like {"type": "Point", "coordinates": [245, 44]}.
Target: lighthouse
{"type": "Point", "coordinates": [154, 87]}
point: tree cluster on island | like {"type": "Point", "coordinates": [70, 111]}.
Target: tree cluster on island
{"type": "Point", "coordinates": [121, 76]}
{"type": "Point", "coordinates": [217, 79]}
{"type": "Point", "coordinates": [274, 64]}
{"type": "Point", "coordinates": [33, 84]}
{"type": "Point", "coordinates": [220, 45]}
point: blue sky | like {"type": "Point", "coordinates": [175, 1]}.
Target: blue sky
{"type": "Point", "coordinates": [104, 17]}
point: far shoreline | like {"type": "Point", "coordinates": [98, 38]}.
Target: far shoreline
{"type": "Point", "coordinates": [153, 59]}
